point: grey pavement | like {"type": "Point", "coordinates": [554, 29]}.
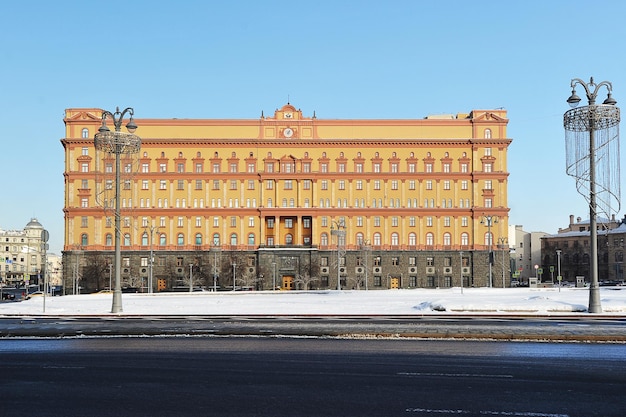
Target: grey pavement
{"type": "Point", "coordinates": [584, 328]}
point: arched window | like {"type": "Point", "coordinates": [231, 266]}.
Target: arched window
{"type": "Point", "coordinates": [324, 239]}
{"type": "Point", "coordinates": [85, 133]}
{"type": "Point", "coordinates": [251, 239]}
{"type": "Point", "coordinates": [126, 239]}
{"type": "Point", "coordinates": [377, 239]}
{"type": "Point", "coordinates": [488, 239]}
{"type": "Point", "coordinates": [288, 239]}
{"type": "Point", "coordinates": [162, 239]}
{"type": "Point", "coordinates": [412, 239]}
{"type": "Point", "coordinates": [83, 239]}
{"type": "Point", "coordinates": [464, 239]}
{"type": "Point", "coordinates": [198, 239]}
{"type": "Point", "coordinates": [394, 239]}
{"type": "Point", "coordinates": [447, 239]}
{"type": "Point", "coordinates": [233, 239]}
{"type": "Point", "coordinates": [359, 238]}
{"type": "Point", "coordinates": [430, 239]}
{"type": "Point", "coordinates": [144, 239]}
{"type": "Point", "coordinates": [180, 239]}
{"type": "Point", "coordinates": [216, 239]}
{"type": "Point", "coordinates": [108, 239]}
{"type": "Point", "coordinates": [487, 133]}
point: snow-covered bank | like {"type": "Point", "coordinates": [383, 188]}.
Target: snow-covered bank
{"type": "Point", "coordinates": [374, 302]}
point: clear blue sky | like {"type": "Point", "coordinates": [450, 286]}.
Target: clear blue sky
{"type": "Point", "coordinates": [341, 59]}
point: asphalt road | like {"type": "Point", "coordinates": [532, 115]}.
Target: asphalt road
{"type": "Point", "coordinates": [555, 328]}
{"type": "Point", "coordinates": [272, 376]}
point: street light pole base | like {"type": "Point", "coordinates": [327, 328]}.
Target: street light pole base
{"type": "Point", "coordinates": [117, 302]}
{"type": "Point", "coordinates": [595, 306]}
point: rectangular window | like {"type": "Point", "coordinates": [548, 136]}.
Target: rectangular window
{"type": "Point", "coordinates": [342, 185]}
{"type": "Point", "coordinates": [233, 221]}
{"type": "Point", "coordinates": [359, 184]}
{"type": "Point", "coordinates": [306, 184]}
{"type": "Point", "coordinates": [251, 167]}
{"type": "Point", "coordinates": [180, 185]}
{"type": "Point", "coordinates": [198, 184]}
{"type": "Point", "coordinates": [251, 184]}
{"type": "Point", "coordinates": [216, 184]}
{"type": "Point", "coordinates": [163, 185]}
{"type": "Point", "coordinates": [216, 221]}
{"type": "Point", "coordinates": [84, 221]}
{"type": "Point", "coordinates": [429, 221]}
{"type": "Point", "coordinates": [145, 167]}
{"type": "Point", "coordinates": [411, 184]}
{"type": "Point", "coordinates": [487, 151]}
{"type": "Point", "coordinates": [288, 185]}
{"type": "Point", "coordinates": [216, 168]}
{"type": "Point", "coordinates": [270, 222]}
{"type": "Point", "coordinates": [488, 185]}
{"type": "Point", "coordinates": [144, 184]}
{"type": "Point", "coordinates": [181, 222]}
{"type": "Point", "coordinates": [394, 167]}
{"type": "Point", "coordinates": [446, 167]}
{"type": "Point", "coordinates": [429, 185]}
{"type": "Point", "coordinates": [233, 184]}
{"type": "Point", "coordinates": [288, 223]}
{"type": "Point", "coordinates": [377, 184]}
{"type": "Point", "coordinates": [306, 167]}
{"type": "Point", "coordinates": [324, 167]}
{"type": "Point", "coordinates": [84, 167]}
{"type": "Point", "coordinates": [198, 168]}
{"type": "Point", "coordinates": [324, 185]}
{"type": "Point", "coordinates": [464, 221]}
{"type": "Point", "coordinates": [269, 167]}
{"type": "Point", "coordinates": [464, 185]}
{"type": "Point", "coordinates": [428, 167]}
{"type": "Point", "coordinates": [341, 167]}
{"type": "Point", "coordinates": [269, 184]}
{"type": "Point", "coordinates": [163, 167]}
{"type": "Point", "coordinates": [180, 167]}
{"type": "Point", "coordinates": [376, 167]}
{"type": "Point", "coordinates": [233, 167]}
{"type": "Point", "coordinates": [394, 184]}
{"type": "Point", "coordinates": [446, 185]}
{"type": "Point", "coordinates": [446, 221]}
{"type": "Point", "coordinates": [250, 221]}
{"type": "Point", "coordinates": [464, 167]}
{"type": "Point", "coordinates": [394, 221]}
{"type": "Point", "coordinates": [411, 221]}
{"type": "Point", "coordinates": [376, 221]}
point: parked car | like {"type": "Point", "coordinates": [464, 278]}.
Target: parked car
{"type": "Point", "coordinates": [8, 296]}
{"type": "Point", "coordinates": [34, 294]}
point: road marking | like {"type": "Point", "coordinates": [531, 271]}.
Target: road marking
{"type": "Point", "coordinates": [485, 413]}
{"type": "Point", "coordinates": [454, 375]}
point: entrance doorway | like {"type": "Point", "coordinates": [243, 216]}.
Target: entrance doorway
{"type": "Point", "coordinates": [287, 283]}
{"type": "Point", "coordinates": [394, 283]}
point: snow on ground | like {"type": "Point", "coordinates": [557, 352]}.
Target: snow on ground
{"type": "Point", "coordinates": [374, 302]}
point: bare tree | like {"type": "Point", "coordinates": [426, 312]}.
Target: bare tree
{"type": "Point", "coordinates": [307, 275]}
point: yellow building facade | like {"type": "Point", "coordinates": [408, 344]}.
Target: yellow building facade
{"type": "Point", "coordinates": [292, 201]}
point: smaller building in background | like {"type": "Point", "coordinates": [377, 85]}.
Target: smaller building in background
{"type": "Point", "coordinates": [525, 253]}
{"type": "Point", "coordinates": [22, 256]}
{"type": "Point", "coordinates": [569, 251]}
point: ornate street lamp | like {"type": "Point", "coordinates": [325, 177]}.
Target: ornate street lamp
{"type": "Point", "coordinates": [339, 229]}
{"type": "Point", "coordinates": [592, 157]}
{"type": "Point", "coordinates": [117, 143]}
{"type": "Point", "coordinates": [489, 220]}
